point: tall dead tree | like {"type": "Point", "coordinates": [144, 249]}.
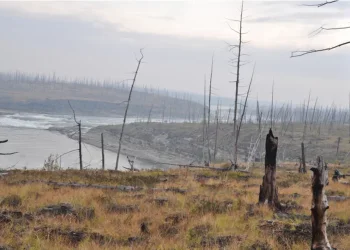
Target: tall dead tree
{"type": "Point", "coordinates": [319, 207]}
{"type": "Point", "coordinates": [237, 63]}
{"type": "Point", "coordinates": [321, 30]}
{"type": "Point", "coordinates": [349, 117]}
{"type": "Point", "coordinates": [209, 108]}
{"type": "Point", "coordinates": [79, 139]}
{"type": "Point", "coordinates": [12, 153]}
{"type": "Point", "coordinates": [303, 161]}
{"type": "Point", "coordinates": [103, 152]}
{"type": "Point", "coordinates": [205, 131]}
{"type": "Point", "coordinates": [216, 130]}
{"type": "Point", "coordinates": [268, 189]}
{"type": "Point", "coordinates": [139, 61]}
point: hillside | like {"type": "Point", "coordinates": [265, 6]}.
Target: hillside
{"type": "Point", "coordinates": [183, 142]}
{"type": "Point", "coordinates": [98, 99]}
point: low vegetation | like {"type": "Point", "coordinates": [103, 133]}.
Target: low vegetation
{"type": "Point", "coordinates": [173, 209]}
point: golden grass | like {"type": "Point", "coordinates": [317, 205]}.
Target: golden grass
{"type": "Point", "coordinates": [224, 205]}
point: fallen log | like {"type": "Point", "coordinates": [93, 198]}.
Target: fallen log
{"type": "Point", "coordinates": [338, 198]}
{"type": "Point", "coordinates": [171, 189]}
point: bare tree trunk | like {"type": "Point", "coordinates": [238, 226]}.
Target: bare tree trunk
{"type": "Point", "coordinates": [228, 116]}
{"type": "Point", "coordinates": [268, 189]}
{"type": "Point", "coordinates": [80, 153]}
{"type": "Point", "coordinates": [216, 131]}
{"type": "Point", "coordinates": [244, 109]}
{"type": "Point", "coordinates": [126, 109]}
{"type": "Point", "coordinates": [303, 163]}
{"type": "Point", "coordinates": [338, 146]}
{"type": "Point", "coordinates": [103, 152]}
{"type": "Point", "coordinates": [319, 207]}
{"type": "Point", "coordinates": [204, 119]}
{"type": "Point", "coordinates": [79, 130]}
{"type": "Point", "coordinates": [313, 113]}
{"type": "Point", "coordinates": [150, 115]}
{"type": "Point", "coordinates": [239, 46]}
{"type": "Point", "coordinates": [209, 109]}
{"type": "Point", "coordinates": [349, 117]}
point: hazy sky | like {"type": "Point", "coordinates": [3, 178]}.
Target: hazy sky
{"type": "Point", "coordinates": [102, 39]}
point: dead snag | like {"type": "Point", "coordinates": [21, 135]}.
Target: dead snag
{"type": "Point", "coordinates": [302, 168]}
{"type": "Point", "coordinates": [268, 189]}
{"type": "Point", "coordinates": [103, 152]}
{"type": "Point", "coordinates": [319, 207]}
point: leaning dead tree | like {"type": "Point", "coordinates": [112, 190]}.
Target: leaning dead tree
{"type": "Point", "coordinates": [12, 153]}
{"type": "Point", "coordinates": [79, 139]}
{"type": "Point", "coordinates": [268, 189]}
{"type": "Point", "coordinates": [319, 206]}
{"type": "Point", "coordinates": [127, 108]}
{"type": "Point", "coordinates": [321, 29]}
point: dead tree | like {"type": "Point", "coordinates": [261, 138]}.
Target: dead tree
{"type": "Point", "coordinates": [12, 153]}
{"type": "Point", "coordinates": [204, 119]}
{"type": "Point", "coordinates": [216, 130]}
{"type": "Point", "coordinates": [209, 108]}
{"type": "Point", "coordinates": [319, 207]}
{"type": "Point", "coordinates": [320, 30]}
{"type": "Point", "coordinates": [237, 63]}
{"type": "Point", "coordinates": [127, 108]}
{"type": "Point", "coordinates": [338, 143]}
{"type": "Point", "coordinates": [103, 152]}
{"type": "Point", "coordinates": [302, 168]}
{"type": "Point", "coordinates": [79, 139]}
{"type": "Point", "coordinates": [150, 115]}
{"type": "Point", "coordinates": [313, 114]}
{"type": "Point", "coordinates": [349, 117]}
{"type": "Point", "coordinates": [244, 109]}
{"type": "Point", "coordinates": [268, 189]}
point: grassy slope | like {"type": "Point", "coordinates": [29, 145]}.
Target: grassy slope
{"type": "Point", "coordinates": [225, 206]}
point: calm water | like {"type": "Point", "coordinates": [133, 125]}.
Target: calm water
{"type": "Point", "coordinates": [27, 135]}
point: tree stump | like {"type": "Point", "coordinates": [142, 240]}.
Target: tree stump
{"type": "Point", "coordinates": [268, 189]}
{"type": "Point", "coordinates": [319, 207]}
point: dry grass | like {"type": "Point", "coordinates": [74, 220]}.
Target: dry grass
{"type": "Point", "coordinates": [218, 209]}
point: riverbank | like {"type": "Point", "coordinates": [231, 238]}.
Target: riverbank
{"type": "Point", "coordinates": [182, 143]}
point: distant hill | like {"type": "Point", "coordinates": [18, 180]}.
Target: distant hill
{"type": "Point", "coordinates": [42, 94]}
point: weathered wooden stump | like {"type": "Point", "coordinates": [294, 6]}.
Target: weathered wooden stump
{"type": "Point", "coordinates": [268, 189]}
{"type": "Point", "coordinates": [319, 207]}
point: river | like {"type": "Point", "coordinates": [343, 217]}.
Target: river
{"type": "Point", "coordinates": [28, 135]}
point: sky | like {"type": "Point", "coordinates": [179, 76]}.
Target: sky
{"type": "Point", "coordinates": [101, 40]}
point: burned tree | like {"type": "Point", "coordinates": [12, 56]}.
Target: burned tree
{"type": "Point", "coordinates": [237, 63]}
{"type": "Point", "coordinates": [79, 138]}
{"type": "Point", "coordinates": [103, 152]}
{"type": "Point", "coordinates": [268, 189]}
{"type": "Point", "coordinates": [319, 207]}
{"type": "Point", "coordinates": [126, 109]}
